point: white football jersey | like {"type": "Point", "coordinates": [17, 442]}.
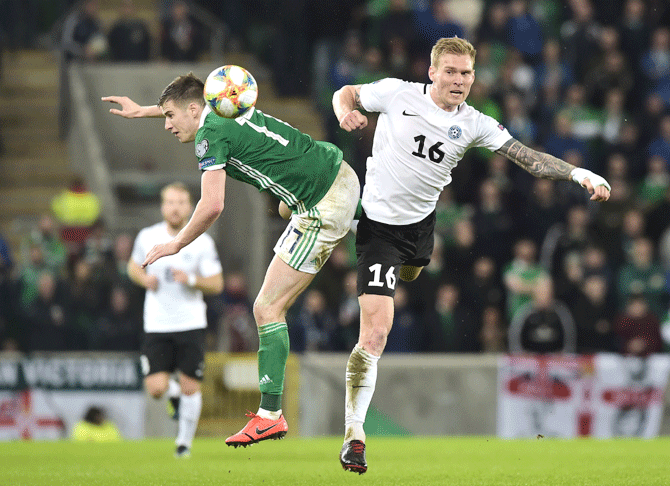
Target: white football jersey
{"type": "Point", "coordinates": [174, 306]}
{"type": "Point", "coordinates": [416, 146]}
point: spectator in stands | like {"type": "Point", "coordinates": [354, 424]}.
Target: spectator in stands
{"type": "Point", "coordinates": [638, 327]}
{"type": "Point", "coordinates": [543, 325]}
{"type": "Point", "coordinates": [76, 209]}
{"type": "Point", "coordinates": [6, 260]}
{"type": "Point", "coordinates": [47, 321]}
{"type": "Point", "coordinates": [613, 72]}
{"type": "Point", "coordinates": [524, 32]}
{"type": "Point", "coordinates": [314, 325]}
{"type": "Point", "coordinates": [129, 37]}
{"type": "Point", "coordinates": [522, 275]}
{"type": "Point", "coordinates": [655, 184]}
{"type": "Point", "coordinates": [593, 311]}
{"type": "Point", "coordinates": [28, 276]}
{"type": "Point", "coordinates": [407, 332]}
{"type": "Point", "coordinates": [585, 119]}
{"type": "Point", "coordinates": [493, 30]}
{"type": "Point", "coordinates": [180, 35]}
{"type": "Point", "coordinates": [614, 116]}
{"type": "Point", "coordinates": [643, 274]}
{"type": "Point", "coordinates": [6, 293]}
{"type": "Point", "coordinates": [433, 21]}
{"type": "Point", "coordinates": [395, 22]}
{"type": "Point", "coordinates": [634, 31]}
{"type": "Point", "coordinates": [552, 70]}
{"type": "Point", "coordinates": [492, 334]}
{"type": "Point", "coordinates": [237, 329]}
{"type": "Point", "coordinates": [543, 210]}
{"type": "Point", "coordinates": [345, 335]}
{"type": "Point", "coordinates": [83, 37]}
{"type": "Point", "coordinates": [47, 237]}
{"type": "Point", "coordinates": [493, 223]}
{"type": "Point", "coordinates": [579, 36]}
{"type": "Point", "coordinates": [482, 287]}
{"type": "Point", "coordinates": [517, 119]}
{"type": "Point", "coordinates": [88, 298]}
{"type": "Point", "coordinates": [117, 328]}
{"type": "Point", "coordinates": [450, 327]}
{"type": "Point", "coordinates": [661, 145]}
{"type": "Point", "coordinates": [562, 140]}
{"type": "Point", "coordinates": [658, 218]}
{"type": "Point", "coordinates": [655, 63]}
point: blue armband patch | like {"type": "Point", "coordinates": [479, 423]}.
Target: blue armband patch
{"type": "Point", "coordinates": [208, 162]}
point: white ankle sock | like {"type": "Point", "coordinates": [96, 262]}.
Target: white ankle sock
{"type": "Point", "coordinates": [268, 414]}
{"type": "Point", "coordinates": [189, 414]}
{"type": "Point", "coordinates": [361, 381]}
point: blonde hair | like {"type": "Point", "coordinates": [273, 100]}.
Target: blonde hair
{"type": "Point", "coordinates": [177, 186]}
{"type": "Point", "coordinates": [451, 45]}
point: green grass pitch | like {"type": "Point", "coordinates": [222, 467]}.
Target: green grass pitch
{"type": "Point", "coordinates": [402, 461]}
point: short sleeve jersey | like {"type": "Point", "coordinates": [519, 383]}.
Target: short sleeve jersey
{"type": "Point", "coordinates": [270, 155]}
{"type": "Point", "coordinates": [174, 307]}
{"type": "Point", "coordinates": [416, 146]}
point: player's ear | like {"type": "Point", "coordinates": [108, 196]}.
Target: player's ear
{"type": "Point", "coordinates": [431, 72]}
{"type": "Point", "coordinates": [193, 108]}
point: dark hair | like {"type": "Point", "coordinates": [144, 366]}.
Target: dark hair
{"type": "Point", "coordinates": [183, 90]}
{"type": "Point", "coordinates": [95, 415]}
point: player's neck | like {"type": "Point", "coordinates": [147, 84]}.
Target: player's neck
{"type": "Point", "coordinates": [174, 229]}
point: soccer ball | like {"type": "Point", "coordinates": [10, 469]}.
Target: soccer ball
{"type": "Point", "coordinates": [230, 91]}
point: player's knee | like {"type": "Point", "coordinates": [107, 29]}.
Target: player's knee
{"type": "Point", "coordinates": [156, 391]}
{"type": "Point", "coordinates": [190, 387]}
{"type": "Point", "coordinates": [264, 312]}
{"type": "Point", "coordinates": [155, 387]}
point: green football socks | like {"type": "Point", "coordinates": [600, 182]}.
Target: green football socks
{"type": "Point", "coordinates": [273, 349]}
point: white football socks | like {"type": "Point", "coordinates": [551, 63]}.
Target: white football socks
{"type": "Point", "coordinates": [189, 414]}
{"type": "Point", "coordinates": [361, 381]}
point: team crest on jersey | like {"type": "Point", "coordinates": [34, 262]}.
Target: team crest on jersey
{"type": "Point", "coordinates": [455, 132]}
{"type": "Point", "coordinates": [202, 148]}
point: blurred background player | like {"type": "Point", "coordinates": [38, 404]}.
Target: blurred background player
{"type": "Point", "coordinates": [175, 312]}
{"type": "Point", "coordinates": [422, 133]}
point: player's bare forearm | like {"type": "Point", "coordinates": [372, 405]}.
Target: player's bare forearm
{"type": "Point", "coordinates": [536, 163]}
{"type": "Point", "coordinates": [346, 102]}
{"type": "Point", "coordinates": [208, 209]}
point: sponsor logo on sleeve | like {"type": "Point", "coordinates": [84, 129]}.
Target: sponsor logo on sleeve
{"type": "Point", "coordinates": [202, 148]}
{"type": "Point", "coordinates": [208, 162]}
{"type": "Point", "coordinates": [501, 127]}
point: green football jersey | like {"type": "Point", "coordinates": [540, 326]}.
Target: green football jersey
{"type": "Point", "coordinates": [270, 155]}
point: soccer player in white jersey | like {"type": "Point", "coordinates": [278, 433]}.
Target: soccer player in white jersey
{"type": "Point", "coordinates": [308, 176]}
{"type": "Point", "coordinates": [422, 132]}
{"type": "Point", "coordinates": [174, 310]}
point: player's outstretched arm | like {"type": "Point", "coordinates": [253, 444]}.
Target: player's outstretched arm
{"type": "Point", "coordinates": [208, 209]}
{"type": "Point", "coordinates": [130, 109]}
{"type": "Point", "coordinates": [346, 102]}
{"type": "Point", "coordinates": [547, 166]}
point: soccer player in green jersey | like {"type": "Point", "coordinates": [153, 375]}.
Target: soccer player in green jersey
{"type": "Point", "coordinates": [309, 176]}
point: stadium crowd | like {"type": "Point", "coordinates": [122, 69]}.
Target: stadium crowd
{"type": "Point", "coordinates": [519, 263]}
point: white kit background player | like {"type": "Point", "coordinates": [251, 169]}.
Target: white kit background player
{"type": "Point", "coordinates": [174, 310]}
{"type": "Point", "coordinates": [423, 131]}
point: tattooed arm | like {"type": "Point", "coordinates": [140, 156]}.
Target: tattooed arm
{"type": "Point", "coordinates": [547, 166]}
{"type": "Point", "coordinates": [345, 103]}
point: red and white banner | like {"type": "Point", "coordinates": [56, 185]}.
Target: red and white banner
{"type": "Point", "coordinates": [605, 395]}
